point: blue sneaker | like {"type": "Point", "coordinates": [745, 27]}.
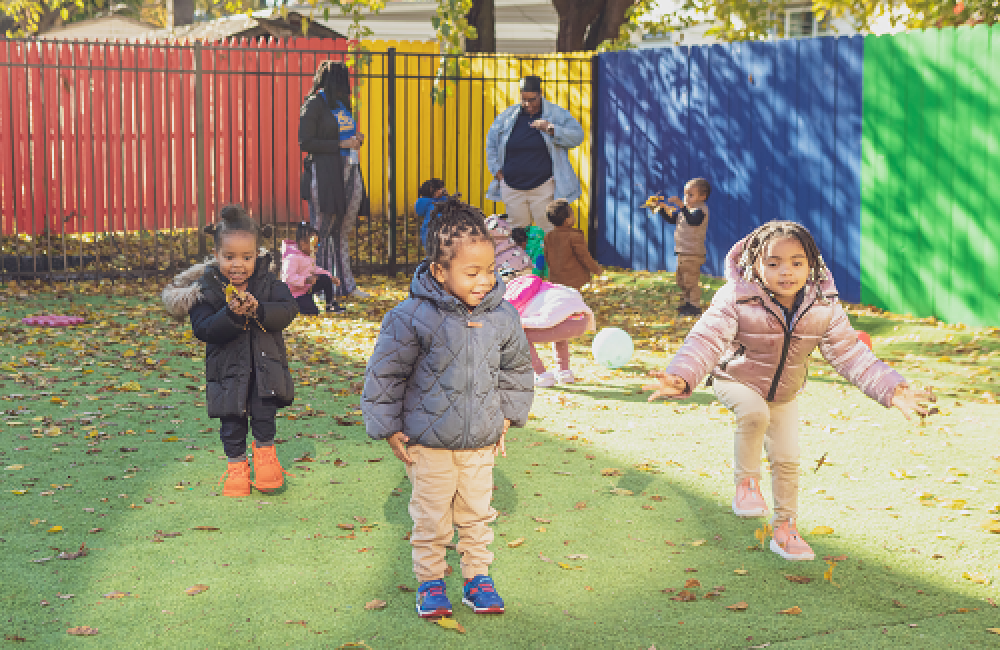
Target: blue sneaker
{"type": "Point", "coordinates": [431, 599]}
{"type": "Point", "coordinates": [481, 596]}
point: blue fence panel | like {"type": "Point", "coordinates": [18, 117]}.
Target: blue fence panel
{"type": "Point", "coordinates": [775, 127]}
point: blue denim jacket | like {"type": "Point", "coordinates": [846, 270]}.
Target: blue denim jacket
{"type": "Point", "coordinates": [568, 134]}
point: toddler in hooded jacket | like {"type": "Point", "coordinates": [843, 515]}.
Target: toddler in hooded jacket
{"type": "Point", "coordinates": [450, 372]}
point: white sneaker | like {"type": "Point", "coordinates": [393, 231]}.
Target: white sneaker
{"type": "Point", "coordinates": [359, 294]}
{"type": "Point", "coordinates": [545, 380]}
{"type": "Point", "coordinates": [565, 377]}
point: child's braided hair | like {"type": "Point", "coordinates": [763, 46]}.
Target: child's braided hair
{"type": "Point", "coordinates": [756, 244]}
{"type": "Point", "coordinates": [233, 218]}
{"type": "Point", "coordinates": [452, 222]}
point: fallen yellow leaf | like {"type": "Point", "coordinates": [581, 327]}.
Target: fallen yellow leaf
{"type": "Point", "coordinates": [14, 467]}
{"type": "Point", "coordinates": [515, 542]}
{"type": "Point", "coordinates": [375, 604]}
{"type": "Point", "coordinates": [196, 589]}
{"type": "Point", "coordinates": [56, 529]}
{"type": "Point", "coordinates": [992, 526]}
{"type": "Point", "coordinates": [740, 572]}
{"type": "Point", "coordinates": [738, 607]}
{"type": "Point", "coordinates": [822, 530]}
{"type": "Point", "coordinates": [450, 624]}
{"type": "Point", "coordinates": [978, 578]}
{"type": "Point", "coordinates": [994, 630]}
{"type": "Point", "coordinates": [792, 611]}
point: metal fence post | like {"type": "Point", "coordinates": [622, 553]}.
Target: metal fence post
{"type": "Point", "coordinates": [199, 146]}
{"type": "Point", "coordinates": [595, 102]}
{"type": "Point", "coordinates": [391, 159]}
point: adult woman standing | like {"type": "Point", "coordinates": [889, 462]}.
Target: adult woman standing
{"type": "Point", "coordinates": [331, 174]}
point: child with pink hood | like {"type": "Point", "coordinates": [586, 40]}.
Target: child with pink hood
{"type": "Point", "coordinates": [303, 277]}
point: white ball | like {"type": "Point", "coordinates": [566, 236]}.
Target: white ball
{"type": "Point", "coordinates": [612, 347]}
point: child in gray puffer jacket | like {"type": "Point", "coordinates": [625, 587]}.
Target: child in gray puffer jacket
{"type": "Point", "coordinates": [451, 371]}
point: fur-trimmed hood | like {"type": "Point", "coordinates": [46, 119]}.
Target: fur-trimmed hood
{"type": "Point", "coordinates": [184, 291]}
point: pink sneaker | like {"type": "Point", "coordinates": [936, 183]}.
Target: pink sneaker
{"type": "Point", "coordinates": [748, 501]}
{"type": "Point", "coordinates": [787, 543]}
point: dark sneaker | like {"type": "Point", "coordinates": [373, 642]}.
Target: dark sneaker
{"type": "Point", "coordinates": [431, 599]}
{"type": "Point", "coordinates": [335, 308]}
{"type": "Point", "coordinates": [481, 596]}
{"type": "Point", "coordinates": [687, 309]}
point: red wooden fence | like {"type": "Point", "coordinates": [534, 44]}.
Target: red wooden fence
{"type": "Point", "coordinates": [109, 137]}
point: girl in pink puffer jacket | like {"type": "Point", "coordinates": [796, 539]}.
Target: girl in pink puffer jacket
{"type": "Point", "coordinates": [778, 305]}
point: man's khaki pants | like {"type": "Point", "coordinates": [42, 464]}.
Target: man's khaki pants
{"type": "Point", "coordinates": [776, 428]}
{"type": "Point", "coordinates": [525, 205]}
{"type": "Point", "coordinates": [689, 277]}
{"type": "Point", "coordinates": [451, 489]}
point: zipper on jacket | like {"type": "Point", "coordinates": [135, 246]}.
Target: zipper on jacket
{"type": "Point", "coordinates": [468, 382]}
{"type": "Point", "coordinates": [784, 347]}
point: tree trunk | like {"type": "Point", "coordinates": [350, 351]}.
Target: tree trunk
{"type": "Point", "coordinates": [482, 16]}
{"type": "Point", "coordinates": [585, 24]}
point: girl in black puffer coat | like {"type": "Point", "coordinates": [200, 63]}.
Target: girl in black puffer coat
{"type": "Point", "coordinates": [246, 365]}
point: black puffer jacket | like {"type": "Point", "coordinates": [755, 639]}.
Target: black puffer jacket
{"type": "Point", "coordinates": [444, 376]}
{"type": "Point", "coordinates": [238, 347]}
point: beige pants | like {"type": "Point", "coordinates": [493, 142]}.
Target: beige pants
{"type": "Point", "coordinates": [689, 277]}
{"type": "Point", "coordinates": [451, 489]}
{"type": "Point", "coordinates": [525, 205]}
{"type": "Point", "coordinates": [776, 428]}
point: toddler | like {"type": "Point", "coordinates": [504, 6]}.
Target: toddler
{"type": "Point", "coordinates": [779, 304]}
{"type": "Point", "coordinates": [569, 261]}
{"type": "Point", "coordinates": [431, 193]}
{"type": "Point", "coordinates": [239, 308]}
{"type": "Point", "coordinates": [303, 277]}
{"type": "Point", "coordinates": [450, 373]}
{"type": "Point", "coordinates": [691, 219]}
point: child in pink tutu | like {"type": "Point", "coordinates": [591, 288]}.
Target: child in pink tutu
{"type": "Point", "coordinates": [550, 313]}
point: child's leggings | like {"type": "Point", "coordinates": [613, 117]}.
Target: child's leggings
{"type": "Point", "coordinates": [773, 426]}
{"type": "Point", "coordinates": [233, 429]}
{"type": "Point", "coordinates": [307, 306]}
{"type": "Point", "coordinates": [560, 335]}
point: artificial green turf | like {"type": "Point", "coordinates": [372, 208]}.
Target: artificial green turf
{"type": "Point", "coordinates": [280, 571]}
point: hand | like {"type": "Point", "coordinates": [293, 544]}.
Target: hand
{"type": "Point", "coordinates": [541, 125]}
{"type": "Point", "coordinates": [397, 442]}
{"type": "Point", "coordinates": [676, 200]}
{"type": "Point", "coordinates": [906, 400]}
{"type": "Point", "coordinates": [499, 176]}
{"type": "Point", "coordinates": [335, 281]}
{"type": "Point", "coordinates": [361, 138]}
{"type": "Point", "coordinates": [501, 446]}
{"type": "Point", "coordinates": [311, 280]}
{"type": "Point", "coordinates": [665, 386]}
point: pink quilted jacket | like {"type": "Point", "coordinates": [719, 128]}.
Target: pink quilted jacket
{"type": "Point", "coordinates": [742, 337]}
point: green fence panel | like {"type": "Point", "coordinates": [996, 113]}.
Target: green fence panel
{"type": "Point", "coordinates": [930, 221]}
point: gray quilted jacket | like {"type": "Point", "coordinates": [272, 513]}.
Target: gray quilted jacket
{"type": "Point", "coordinates": [446, 376]}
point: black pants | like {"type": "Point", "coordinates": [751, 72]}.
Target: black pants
{"type": "Point", "coordinates": [233, 430]}
{"type": "Point", "coordinates": [307, 306]}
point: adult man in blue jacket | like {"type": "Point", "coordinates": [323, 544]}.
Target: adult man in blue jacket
{"type": "Point", "coordinates": [527, 151]}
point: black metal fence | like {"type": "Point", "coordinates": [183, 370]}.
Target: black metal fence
{"type": "Point", "coordinates": [112, 156]}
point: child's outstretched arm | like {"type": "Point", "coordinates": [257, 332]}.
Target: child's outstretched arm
{"type": "Point", "coordinates": [389, 368]}
{"type": "Point", "coordinates": [856, 362]}
{"type": "Point", "coordinates": [704, 346]}
{"type": "Point", "coordinates": [279, 312]}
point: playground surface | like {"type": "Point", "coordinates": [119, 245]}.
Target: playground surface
{"type": "Point", "coordinates": [615, 528]}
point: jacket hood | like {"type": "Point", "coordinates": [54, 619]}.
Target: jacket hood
{"type": "Point", "coordinates": [289, 247]}
{"type": "Point", "coordinates": [745, 288]}
{"type": "Point", "coordinates": [426, 287]}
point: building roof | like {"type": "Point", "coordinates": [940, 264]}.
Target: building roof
{"type": "Point", "coordinates": [98, 29]}
{"type": "Point", "coordinates": [263, 24]}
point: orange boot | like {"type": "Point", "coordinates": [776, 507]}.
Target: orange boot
{"type": "Point", "coordinates": [237, 479]}
{"type": "Point", "coordinates": [267, 471]}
